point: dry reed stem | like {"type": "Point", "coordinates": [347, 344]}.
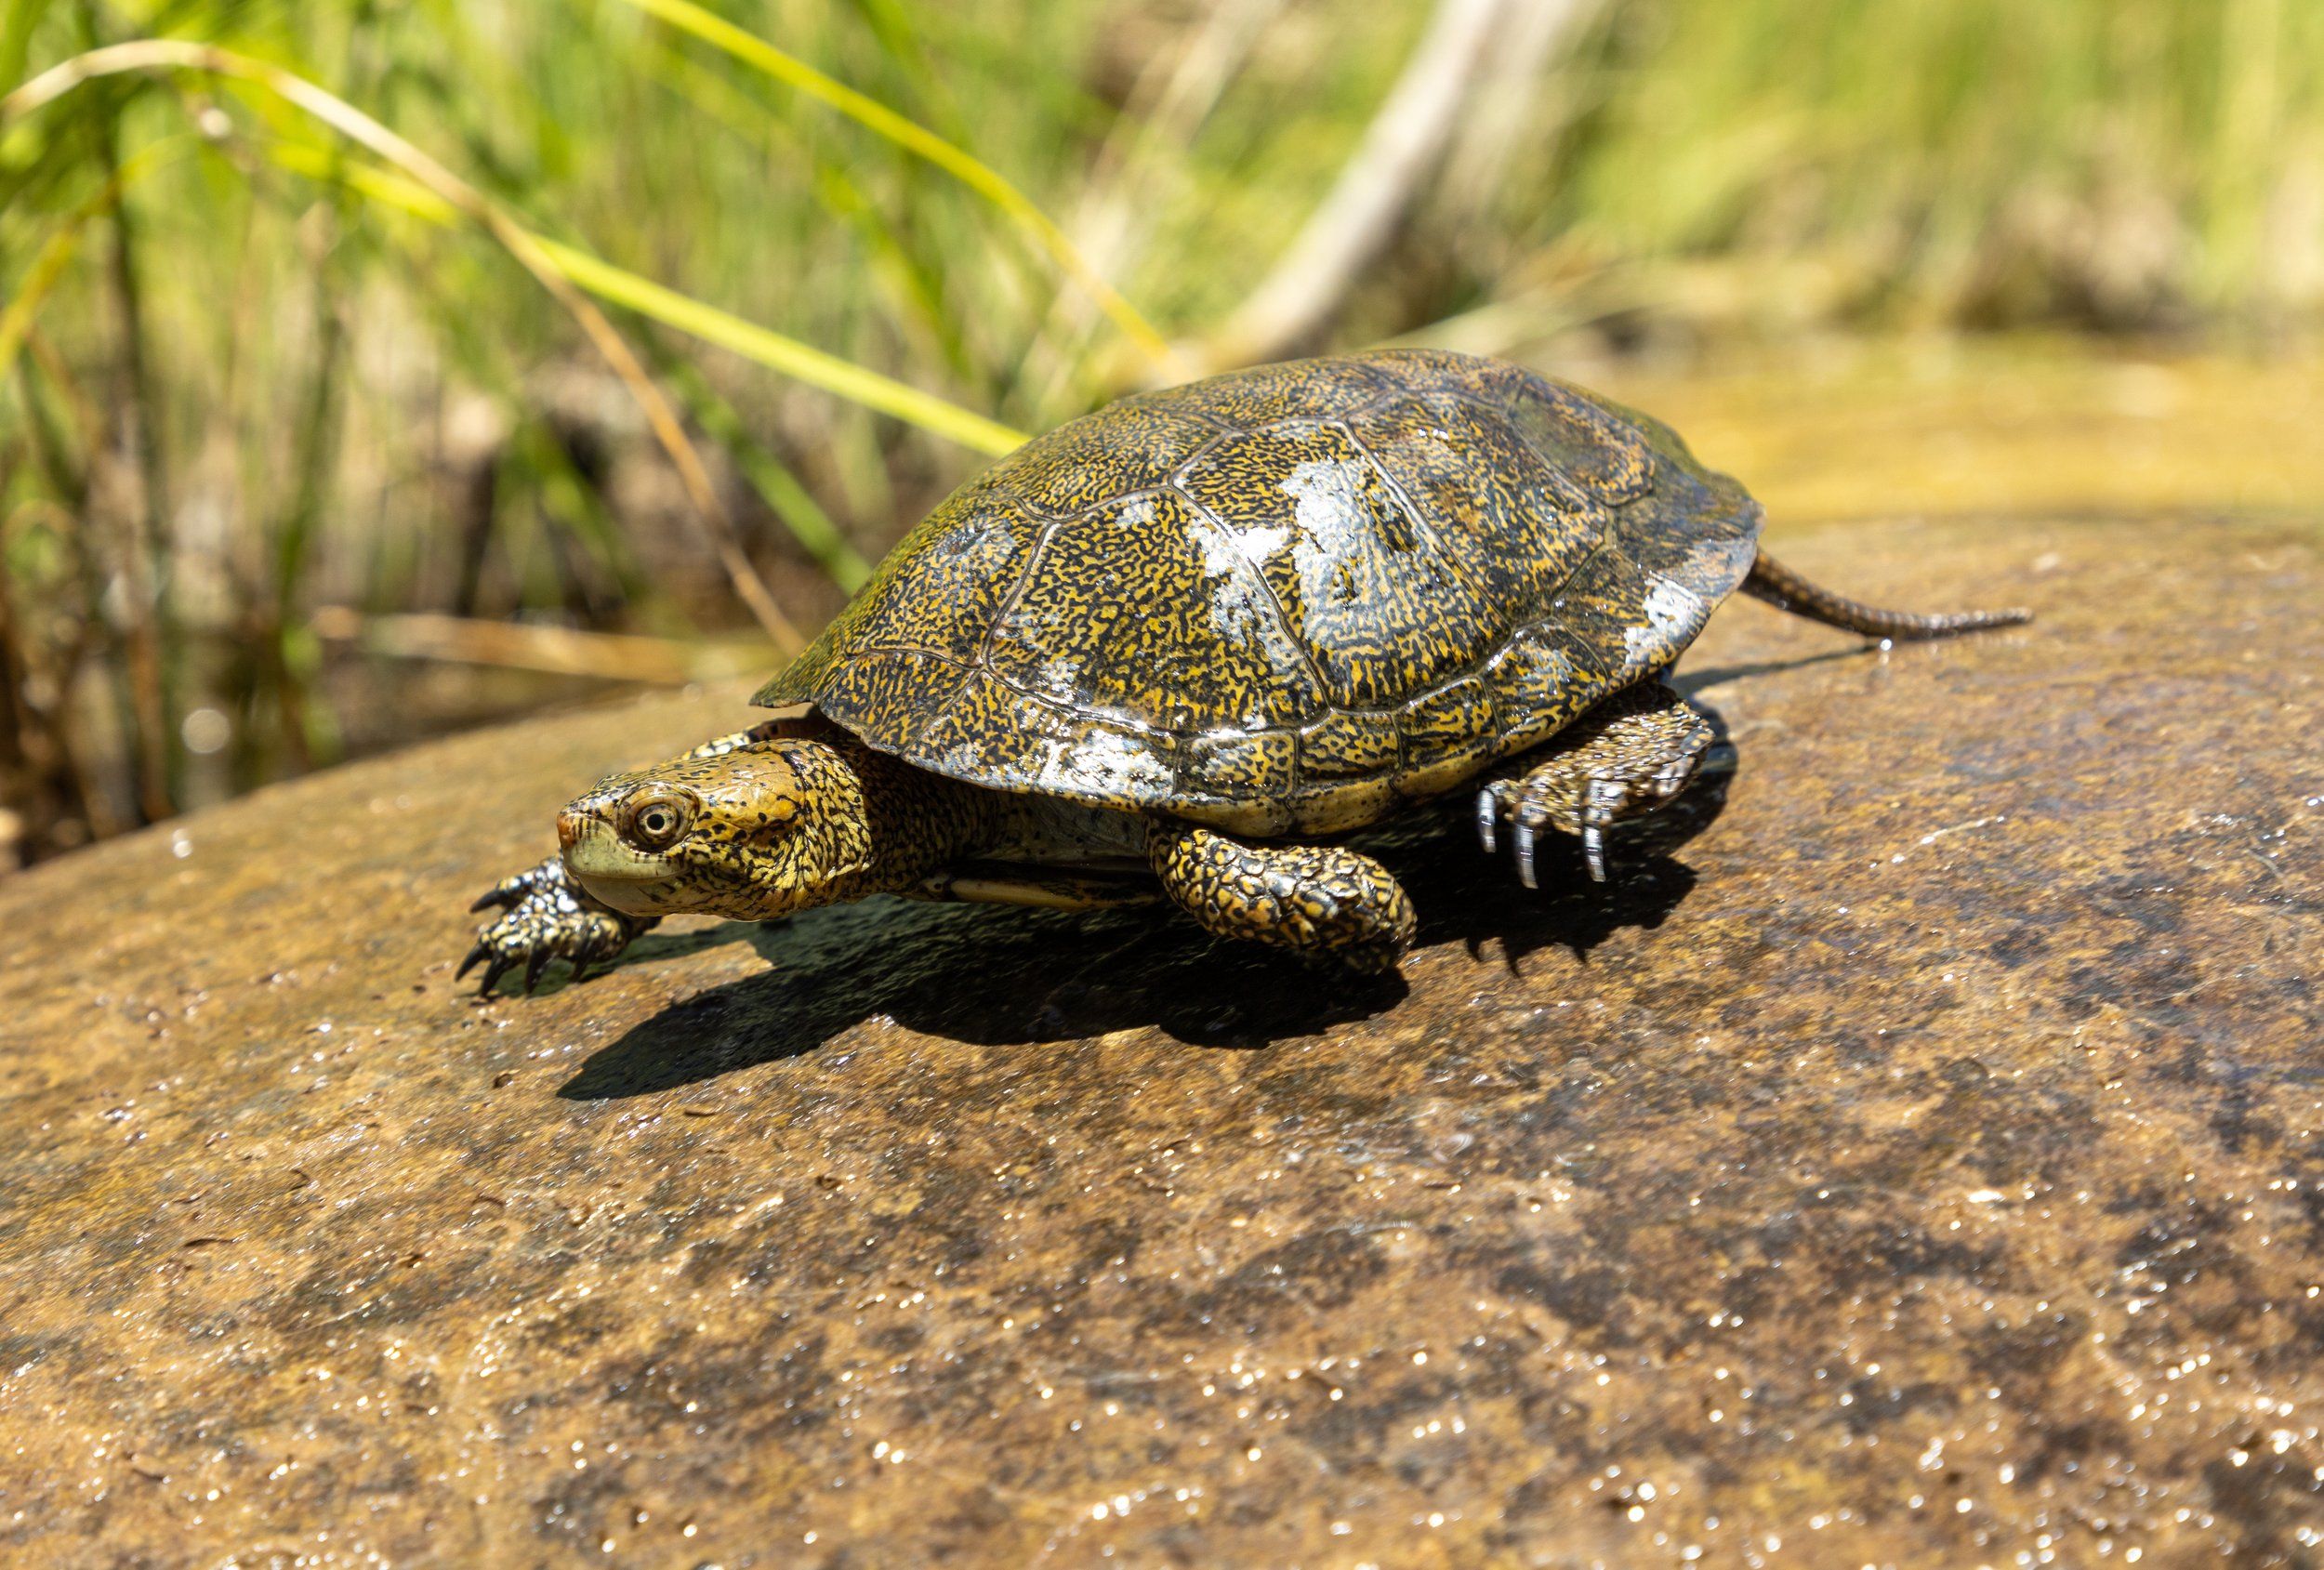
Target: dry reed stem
{"type": "Point", "coordinates": [1405, 139]}
{"type": "Point", "coordinates": [555, 650]}
{"type": "Point", "coordinates": [150, 54]}
{"type": "Point", "coordinates": [967, 169]}
{"type": "Point", "coordinates": [1119, 207]}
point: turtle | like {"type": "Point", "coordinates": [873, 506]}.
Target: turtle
{"type": "Point", "coordinates": [1177, 650]}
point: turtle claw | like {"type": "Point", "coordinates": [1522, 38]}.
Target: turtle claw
{"type": "Point", "coordinates": [1599, 800]}
{"type": "Point", "coordinates": [1492, 801]}
{"type": "Point", "coordinates": [1530, 810]}
{"type": "Point", "coordinates": [512, 891]}
{"type": "Point", "coordinates": [545, 916]}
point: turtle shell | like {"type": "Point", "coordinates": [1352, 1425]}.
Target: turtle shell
{"type": "Point", "coordinates": [1286, 600]}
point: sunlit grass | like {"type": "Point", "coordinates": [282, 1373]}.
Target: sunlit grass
{"type": "Point", "coordinates": [1977, 161]}
{"type": "Point", "coordinates": [917, 140]}
{"type": "Point", "coordinates": [618, 286]}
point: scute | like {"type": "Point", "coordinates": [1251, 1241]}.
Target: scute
{"type": "Point", "coordinates": [1144, 611]}
{"type": "Point", "coordinates": [1125, 448]}
{"type": "Point", "coordinates": [1593, 445]}
{"type": "Point", "coordinates": [1288, 598]}
{"type": "Point", "coordinates": [1519, 526]}
{"type": "Point", "coordinates": [993, 734]}
{"type": "Point", "coordinates": [1448, 733]}
{"type": "Point", "coordinates": [1385, 608]}
{"type": "Point", "coordinates": [893, 693]}
{"type": "Point", "coordinates": [942, 595]}
{"type": "Point", "coordinates": [1297, 390]}
{"type": "Point", "coordinates": [936, 593]}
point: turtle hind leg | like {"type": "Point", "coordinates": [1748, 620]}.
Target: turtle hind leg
{"type": "Point", "coordinates": [1778, 584]}
{"type": "Point", "coordinates": [1322, 900]}
{"type": "Point", "coordinates": [1633, 754]}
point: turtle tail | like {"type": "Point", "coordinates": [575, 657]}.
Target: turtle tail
{"type": "Point", "coordinates": [1785, 589]}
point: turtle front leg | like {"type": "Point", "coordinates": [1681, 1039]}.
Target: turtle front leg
{"type": "Point", "coordinates": [546, 915]}
{"type": "Point", "coordinates": [1631, 755]}
{"type": "Point", "coordinates": [1322, 900]}
{"type": "Point", "coordinates": [550, 917]}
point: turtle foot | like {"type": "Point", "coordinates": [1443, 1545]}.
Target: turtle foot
{"type": "Point", "coordinates": [545, 916]}
{"type": "Point", "coordinates": [1633, 755]}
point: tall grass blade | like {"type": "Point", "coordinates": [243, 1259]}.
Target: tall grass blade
{"type": "Point", "coordinates": [789, 356]}
{"type": "Point", "coordinates": [913, 137]}
{"type": "Point", "coordinates": [57, 252]}
{"type": "Point", "coordinates": [800, 361]}
{"type": "Point", "coordinates": [18, 19]}
{"type": "Point", "coordinates": [151, 53]}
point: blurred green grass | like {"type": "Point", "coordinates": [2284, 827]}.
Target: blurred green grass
{"type": "Point", "coordinates": [254, 376]}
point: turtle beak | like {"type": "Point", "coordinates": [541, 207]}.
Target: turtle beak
{"type": "Point", "coordinates": [589, 845]}
{"type": "Point", "coordinates": [612, 871]}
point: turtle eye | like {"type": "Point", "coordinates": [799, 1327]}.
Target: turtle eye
{"type": "Point", "coordinates": [658, 821]}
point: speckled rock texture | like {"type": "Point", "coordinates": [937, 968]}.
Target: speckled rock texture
{"type": "Point", "coordinates": [1915, 1159]}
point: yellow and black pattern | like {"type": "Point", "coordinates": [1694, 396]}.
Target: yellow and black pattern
{"type": "Point", "coordinates": [544, 916]}
{"type": "Point", "coordinates": [1286, 600]}
{"type": "Point", "coordinates": [1323, 901]}
{"type": "Point", "coordinates": [1284, 603]}
{"type": "Point", "coordinates": [804, 815]}
{"type": "Point", "coordinates": [1312, 390]}
{"type": "Point", "coordinates": [941, 588]}
{"type": "Point", "coordinates": [1129, 446]}
{"type": "Point", "coordinates": [930, 606]}
{"type": "Point", "coordinates": [1384, 608]}
{"type": "Point", "coordinates": [1597, 445]}
{"type": "Point", "coordinates": [1519, 527]}
{"type": "Point", "coordinates": [1143, 609]}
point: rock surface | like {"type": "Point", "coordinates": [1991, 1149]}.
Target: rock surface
{"type": "Point", "coordinates": [1916, 1158]}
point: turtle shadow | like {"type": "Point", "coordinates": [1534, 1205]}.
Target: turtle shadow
{"type": "Point", "coordinates": [990, 975]}
{"type": "Point", "coordinates": [1692, 684]}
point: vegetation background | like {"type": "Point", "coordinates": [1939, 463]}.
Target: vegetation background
{"type": "Point", "coordinates": [374, 367]}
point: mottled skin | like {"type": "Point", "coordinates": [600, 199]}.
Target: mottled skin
{"type": "Point", "coordinates": [550, 917]}
{"type": "Point", "coordinates": [1166, 647]}
{"type": "Point", "coordinates": [754, 825]}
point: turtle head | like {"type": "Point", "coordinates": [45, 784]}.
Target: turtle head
{"type": "Point", "coordinates": [770, 826]}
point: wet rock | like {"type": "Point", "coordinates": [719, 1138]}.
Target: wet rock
{"type": "Point", "coordinates": [1913, 1158]}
